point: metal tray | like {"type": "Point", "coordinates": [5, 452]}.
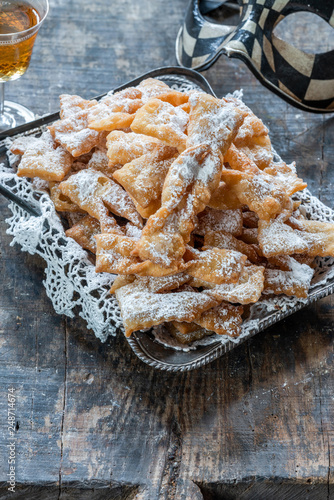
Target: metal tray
{"type": "Point", "coordinates": [143, 344]}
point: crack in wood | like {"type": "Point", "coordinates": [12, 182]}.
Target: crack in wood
{"type": "Point", "coordinates": [33, 390]}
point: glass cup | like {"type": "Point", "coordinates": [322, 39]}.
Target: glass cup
{"type": "Point", "coordinates": [20, 21]}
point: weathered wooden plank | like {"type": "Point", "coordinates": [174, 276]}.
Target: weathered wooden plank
{"type": "Point", "coordinates": [96, 422]}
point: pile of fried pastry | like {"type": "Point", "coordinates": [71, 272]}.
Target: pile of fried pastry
{"type": "Point", "coordinates": [178, 194]}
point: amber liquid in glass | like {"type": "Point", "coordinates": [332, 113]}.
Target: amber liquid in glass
{"type": "Point", "coordinates": [16, 16]}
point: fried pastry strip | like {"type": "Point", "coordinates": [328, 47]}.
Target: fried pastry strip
{"type": "Point", "coordinates": [151, 209]}
{"type": "Point", "coordinates": [163, 283]}
{"type": "Point", "coordinates": [247, 290]}
{"type": "Point", "coordinates": [216, 265]}
{"type": "Point", "coordinates": [152, 87]}
{"type": "Point", "coordinates": [259, 151]}
{"type": "Point", "coordinates": [224, 199]}
{"type": "Point", "coordinates": [70, 105]}
{"type": "Point", "coordinates": [187, 332]}
{"type": "Point", "coordinates": [294, 279]}
{"type": "Point", "coordinates": [252, 127]}
{"type": "Point", "coordinates": [86, 189]}
{"type": "Point", "coordinates": [72, 131]}
{"type": "Point", "coordinates": [124, 147]}
{"type": "Point", "coordinates": [143, 178]}
{"type": "Point", "coordinates": [278, 238]}
{"type": "Point", "coordinates": [115, 111]}
{"type": "Point", "coordinates": [219, 220]}
{"type": "Point", "coordinates": [223, 239]}
{"type": "Point", "coordinates": [250, 236]}
{"type": "Point", "coordinates": [21, 144]}
{"type": "Point", "coordinates": [261, 193]}
{"type": "Point", "coordinates": [185, 328]}
{"type": "Point", "coordinates": [99, 161]}
{"type": "Point", "coordinates": [253, 136]}
{"type": "Point", "coordinates": [239, 161]}
{"type": "Point", "coordinates": [122, 280]}
{"type": "Point", "coordinates": [318, 235]}
{"type": "Point", "coordinates": [141, 308]}
{"type": "Point", "coordinates": [175, 98]}
{"type": "Point", "coordinates": [114, 254]}
{"type": "Point", "coordinates": [250, 219]}
{"type": "Point", "coordinates": [224, 319]}
{"type": "Point", "coordinates": [61, 202]}
{"type": "Point", "coordinates": [94, 192]}
{"type": "Point", "coordinates": [287, 176]}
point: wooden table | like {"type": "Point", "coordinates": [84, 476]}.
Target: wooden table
{"type": "Point", "coordinates": [95, 422]}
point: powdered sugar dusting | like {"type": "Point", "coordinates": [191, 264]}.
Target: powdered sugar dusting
{"type": "Point", "coordinates": [185, 171]}
{"type": "Point", "coordinates": [74, 135]}
{"type": "Point", "coordinates": [277, 238]}
{"type": "Point", "coordinates": [296, 272]}
{"type": "Point", "coordinates": [215, 126]}
{"type": "Point", "coordinates": [174, 117]}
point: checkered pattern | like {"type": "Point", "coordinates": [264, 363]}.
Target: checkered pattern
{"type": "Point", "coordinates": [305, 80]}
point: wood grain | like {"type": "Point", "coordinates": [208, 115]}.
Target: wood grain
{"type": "Point", "coordinates": [95, 422]}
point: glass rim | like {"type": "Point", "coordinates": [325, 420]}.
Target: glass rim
{"type": "Point", "coordinates": [28, 32]}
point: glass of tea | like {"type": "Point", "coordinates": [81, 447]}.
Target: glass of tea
{"type": "Point", "coordinates": [20, 21]}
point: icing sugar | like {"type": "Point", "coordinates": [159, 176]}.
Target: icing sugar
{"type": "Point", "coordinates": [70, 105]}
{"type": "Point", "coordinates": [214, 126]}
{"type": "Point", "coordinates": [224, 319]}
{"type": "Point", "coordinates": [125, 147]}
{"type": "Point", "coordinates": [294, 281]}
{"type": "Point", "coordinates": [93, 188]}
{"type": "Point", "coordinates": [187, 169]}
{"type": "Point", "coordinates": [133, 231]}
{"type": "Point", "coordinates": [141, 308]}
{"type": "Point", "coordinates": [163, 284]}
